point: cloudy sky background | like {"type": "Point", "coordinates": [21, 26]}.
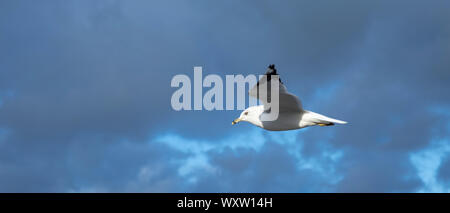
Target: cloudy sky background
{"type": "Point", "coordinates": [85, 96]}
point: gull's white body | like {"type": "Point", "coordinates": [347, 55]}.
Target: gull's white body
{"type": "Point", "coordinates": [286, 120]}
{"type": "Point", "coordinates": [291, 113]}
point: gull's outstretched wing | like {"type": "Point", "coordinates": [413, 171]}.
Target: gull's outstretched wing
{"type": "Point", "coordinates": [287, 102]}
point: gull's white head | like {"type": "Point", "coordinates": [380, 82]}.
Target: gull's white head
{"type": "Point", "coordinates": [250, 115]}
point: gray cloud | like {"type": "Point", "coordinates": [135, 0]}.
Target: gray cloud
{"type": "Point", "coordinates": [78, 79]}
{"type": "Point", "coordinates": [271, 169]}
{"type": "Point", "coordinates": [378, 172]}
{"type": "Point", "coordinates": [444, 171]}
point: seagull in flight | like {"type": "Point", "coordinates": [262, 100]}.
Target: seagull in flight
{"type": "Point", "coordinates": [291, 113]}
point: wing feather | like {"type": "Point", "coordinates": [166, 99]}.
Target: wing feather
{"type": "Point", "coordinates": [288, 102]}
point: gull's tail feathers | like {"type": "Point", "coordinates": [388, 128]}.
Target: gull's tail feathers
{"type": "Point", "coordinates": [321, 120]}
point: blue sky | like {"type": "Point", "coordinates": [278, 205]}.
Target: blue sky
{"type": "Point", "coordinates": [85, 96]}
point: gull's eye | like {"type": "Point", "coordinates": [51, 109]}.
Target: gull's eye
{"type": "Point", "coordinates": [245, 113]}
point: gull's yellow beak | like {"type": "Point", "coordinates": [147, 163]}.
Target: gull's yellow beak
{"type": "Point", "coordinates": [237, 120]}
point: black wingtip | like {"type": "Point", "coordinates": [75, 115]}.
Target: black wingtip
{"type": "Point", "coordinates": [272, 70]}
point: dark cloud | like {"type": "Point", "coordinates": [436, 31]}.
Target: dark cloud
{"type": "Point", "coordinates": [85, 164]}
{"type": "Point", "coordinates": [377, 172]}
{"type": "Point", "coordinates": [443, 172]}
{"type": "Point", "coordinates": [85, 86]}
{"type": "Point", "coordinates": [271, 169]}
